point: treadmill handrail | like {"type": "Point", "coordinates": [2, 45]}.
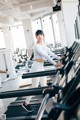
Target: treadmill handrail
{"type": "Point", "coordinates": [41, 73]}
{"type": "Point", "coordinates": [26, 92]}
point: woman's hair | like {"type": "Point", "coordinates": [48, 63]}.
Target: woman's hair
{"type": "Point", "coordinates": [39, 32]}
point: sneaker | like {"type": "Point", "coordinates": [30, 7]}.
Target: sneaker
{"type": "Point", "coordinates": [27, 107]}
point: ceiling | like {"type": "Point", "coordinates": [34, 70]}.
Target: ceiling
{"type": "Point", "coordinates": [14, 11]}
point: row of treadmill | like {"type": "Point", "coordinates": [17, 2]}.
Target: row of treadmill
{"type": "Point", "coordinates": [63, 91]}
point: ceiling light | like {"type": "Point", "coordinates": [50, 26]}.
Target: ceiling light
{"type": "Point", "coordinates": [30, 6]}
{"type": "Point", "coordinates": [6, 0]}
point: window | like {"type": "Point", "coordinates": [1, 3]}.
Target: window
{"type": "Point", "coordinates": [50, 27]}
{"type": "Point", "coordinates": [18, 37]}
{"type": "Point", "coordinates": [2, 45]}
{"type": "Point", "coordinates": [56, 28]}
{"type": "Point", "coordinates": [48, 31]}
{"type": "Point", "coordinates": [35, 26]}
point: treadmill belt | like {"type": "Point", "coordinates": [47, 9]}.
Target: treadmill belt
{"type": "Point", "coordinates": [20, 98]}
{"type": "Point", "coordinates": [19, 111]}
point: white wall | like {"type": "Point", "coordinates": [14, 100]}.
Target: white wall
{"type": "Point", "coordinates": [8, 38]}
{"type": "Point", "coordinates": [70, 12]}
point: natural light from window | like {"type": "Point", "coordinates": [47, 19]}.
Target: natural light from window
{"type": "Point", "coordinates": [56, 28]}
{"type": "Point", "coordinates": [50, 26]}
{"type": "Point", "coordinates": [18, 37]}
{"type": "Point", "coordinates": [48, 31]}
{"type": "Point", "coordinates": [36, 25]}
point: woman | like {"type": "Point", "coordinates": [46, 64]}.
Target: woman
{"type": "Point", "coordinates": [41, 53]}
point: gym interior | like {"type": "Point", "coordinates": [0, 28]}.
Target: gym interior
{"type": "Point", "coordinates": [60, 22]}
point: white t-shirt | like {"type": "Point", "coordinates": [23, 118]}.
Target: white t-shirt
{"type": "Point", "coordinates": [43, 52]}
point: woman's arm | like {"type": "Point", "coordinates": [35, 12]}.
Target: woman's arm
{"type": "Point", "coordinates": [53, 54]}
{"type": "Point", "coordinates": [41, 52]}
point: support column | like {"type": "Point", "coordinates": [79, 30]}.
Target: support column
{"type": "Point", "coordinates": [8, 38]}
{"type": "Point", "coordinates": [70, 10]}
{"type": "Point", "coordinates": [6, 64]}
{"type": "Point", "coordinates": [62, 29]}
{"type": "Point", "coordinates": [9, 64]}
{"type": "Point", "coordinates": [7, 54]}
{"type": "Point", "coordinates": [27, 26]}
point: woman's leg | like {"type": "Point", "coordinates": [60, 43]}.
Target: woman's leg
{"type": "Point", "coordinates": [43, 81]}
{"type": "Point", "coordinates": [35, 83]}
